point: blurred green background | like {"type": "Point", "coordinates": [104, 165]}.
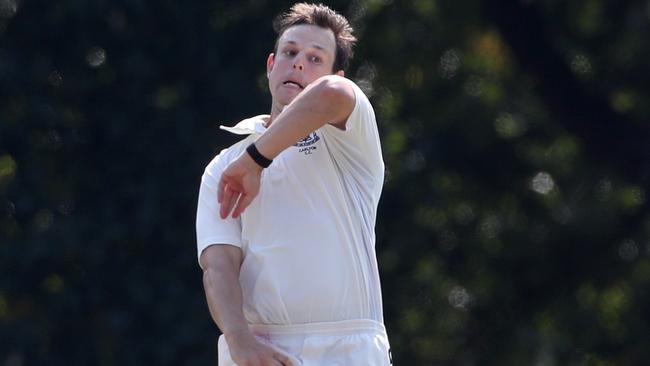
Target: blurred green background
{"type": "Point", "coordinates": [514, 227]}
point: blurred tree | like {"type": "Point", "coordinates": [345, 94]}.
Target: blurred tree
{"type": "Point", "coordinates": [514, 226]}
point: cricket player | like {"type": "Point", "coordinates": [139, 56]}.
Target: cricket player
{"type": "Point", "coordinates": [286, 217]}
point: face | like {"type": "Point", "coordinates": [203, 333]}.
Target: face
{"type": "Point", "coordinates": [305, 53]}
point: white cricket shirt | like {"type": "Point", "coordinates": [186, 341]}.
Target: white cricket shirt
{"type": "Point", "coordinates": [308, 238]}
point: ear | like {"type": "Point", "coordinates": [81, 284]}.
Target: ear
{"type": "Point", "coordinates": [340, 73]}
{"type": "Point", "coordinates": [269, 63]}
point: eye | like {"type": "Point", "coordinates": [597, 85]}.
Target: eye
{"type": "Point", "coordinates": [315, 59]}
{"type": "Point", "coordinates": [290, 53]}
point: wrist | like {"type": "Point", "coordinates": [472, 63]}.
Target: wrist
{"type": "Point", "coordinates": [249, 163]}
{"type": "Point", "coordinates": [257, 157]}
{"type": "Point", "coordinates": [238, 335]}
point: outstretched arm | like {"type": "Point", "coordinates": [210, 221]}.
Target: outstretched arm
{"type": "Point", "coordinates": [329, 99]}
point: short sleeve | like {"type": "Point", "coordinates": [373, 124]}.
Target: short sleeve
{"type": "Point", "coordinates": [210, 227]}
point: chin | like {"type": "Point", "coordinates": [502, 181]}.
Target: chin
{"type": "Point", "coordinates": [286, 99]}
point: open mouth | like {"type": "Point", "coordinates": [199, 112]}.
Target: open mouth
{"type": "Point", "coordinates": [289, 82]}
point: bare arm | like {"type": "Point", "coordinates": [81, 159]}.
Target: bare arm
{"type": "Point", "coordinates": [329, 99]}
{"type": "Point", "coordinates": [221, 264]}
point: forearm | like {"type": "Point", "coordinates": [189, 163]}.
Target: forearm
{"type": "Point", "coordinates": [224, 301]}
{"type": "Point", "coordinates": [327, 100]}
{"type": "Point", "coordinates": [221, 265]}
{"type": "Point", "coordinates": [224, 295]}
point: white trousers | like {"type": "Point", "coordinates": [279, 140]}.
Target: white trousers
{"type": "Point", "coordinates": [360, 342]}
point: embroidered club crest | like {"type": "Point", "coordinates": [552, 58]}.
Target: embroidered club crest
{"type": "Point", "coordinates": [310, 139]}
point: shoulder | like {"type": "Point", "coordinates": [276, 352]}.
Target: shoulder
{"type": "Point", "coordinates": [362, 112]}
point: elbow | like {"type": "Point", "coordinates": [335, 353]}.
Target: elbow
{"type": "Point", "coordinates": [220, 263]}
{"type": "Point", "coordinates": [214, 279]}
{"type": "Point", "coordinates": [334, 89]}
{"type": "Point", "coordinates": [336, 98]}
{"type": "Point", "coordinates": [208, 275]}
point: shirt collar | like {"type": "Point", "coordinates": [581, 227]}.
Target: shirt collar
{"type": "Point", "coordinates": [248, 126]}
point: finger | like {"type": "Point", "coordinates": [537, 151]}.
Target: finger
{"type": "Point", "coordinates": [242, 203]}
{"type": "Point", "coordinates": [233, 198]}
{"type": "Point", "coordinates": [222, 186]}
{"type": "Point", "coordinates": [272, 362]}
{"type": "Point", "coordinates": [283, 359]}
{"type": "Point", "coordinates": [227, 201]}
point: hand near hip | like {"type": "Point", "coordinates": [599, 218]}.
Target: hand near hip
{"type": "Point", "coordinates": [248, 350]}
{"type": "Point", "coordinates": [238, 186]}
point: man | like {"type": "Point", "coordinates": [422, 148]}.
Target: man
{"type": "Point", "coordinates": [285, 221]}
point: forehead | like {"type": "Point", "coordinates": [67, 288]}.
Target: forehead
{"type": "Point", "coordinates": [306, 35]}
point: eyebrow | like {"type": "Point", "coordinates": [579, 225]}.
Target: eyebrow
{"type": "Point", "coordinates": [319, 47]}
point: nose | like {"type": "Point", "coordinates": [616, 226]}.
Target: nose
{"type": "Point", "coordinates": [298, 64]}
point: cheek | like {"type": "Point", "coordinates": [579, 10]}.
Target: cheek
{"type": "Point", "coordinates": [317, 72]}
{"type": "Point", "coordinates": [274, 81]}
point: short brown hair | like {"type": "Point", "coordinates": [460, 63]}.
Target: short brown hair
{"type": "Point", "coordinates": [324, 17]}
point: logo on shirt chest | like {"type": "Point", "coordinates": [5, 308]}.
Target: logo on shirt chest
{"type": "Point", "coordinates": [305, 145]}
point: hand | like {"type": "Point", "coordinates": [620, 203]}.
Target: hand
{"type": "Point", "coordinates": [239, 184]}
{"type": "Point", "coordinates": [247, 350]}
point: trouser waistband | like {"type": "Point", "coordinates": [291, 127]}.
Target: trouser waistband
{"type": "Point", "coordinates": [322, 328]}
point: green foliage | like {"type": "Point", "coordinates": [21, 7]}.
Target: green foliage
{"type": "Point", "coordinates": [514, 228]}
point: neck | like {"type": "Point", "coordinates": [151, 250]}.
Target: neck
{"type": "Point", "coordinates": [275, 112]}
